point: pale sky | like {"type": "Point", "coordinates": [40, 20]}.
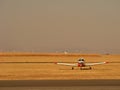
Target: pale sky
{"type": "Point", "coordinates": [58, 25]}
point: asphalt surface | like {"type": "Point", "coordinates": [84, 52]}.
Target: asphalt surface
{"type": "Point", "coordinates": [64, 88]}
{"type": "Point", "coordinates": [57, 83]}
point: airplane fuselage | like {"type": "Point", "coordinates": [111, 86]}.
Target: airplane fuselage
{"type": "Point", "coordinates": [81, 65]}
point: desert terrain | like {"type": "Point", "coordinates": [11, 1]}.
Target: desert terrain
{"type": "Point", "coordinates": [43, 67]}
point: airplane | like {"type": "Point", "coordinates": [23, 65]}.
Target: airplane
{"type": "Point", "coordinates": [81, 64]}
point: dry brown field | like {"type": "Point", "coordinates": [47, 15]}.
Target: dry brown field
{"type": "Point", "coordinates": [28, 67]}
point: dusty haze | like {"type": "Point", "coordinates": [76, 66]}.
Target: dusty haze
{"type": "Point", "coordinates": [58, 25]}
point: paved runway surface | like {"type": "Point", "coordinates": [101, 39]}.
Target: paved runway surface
{"type": "Point", "coordinates": [57, 83]}
{"type": "Point", "coordinates": [60, 85]}
{"type": "Point", "coordinates": [64, 88]}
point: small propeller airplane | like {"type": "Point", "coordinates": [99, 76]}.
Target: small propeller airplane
{"type": "Point", "coordinates": [81, 63]}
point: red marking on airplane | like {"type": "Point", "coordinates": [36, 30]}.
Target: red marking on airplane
{"type": "Point", "coordinates": [81, 65]}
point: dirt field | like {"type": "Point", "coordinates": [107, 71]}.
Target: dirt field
{"type": "Point", "coordinates": [42, 67]}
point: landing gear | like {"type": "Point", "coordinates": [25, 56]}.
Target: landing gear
{"type": "Point", "coordinates": [90, 68]}
{"type": "Point", "coordinates": [72, 68]}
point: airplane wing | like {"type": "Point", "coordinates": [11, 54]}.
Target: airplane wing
{"type": "Point", "coordinates": [90, 64]}
{"type": "Point", "coordinates": [66, 64]}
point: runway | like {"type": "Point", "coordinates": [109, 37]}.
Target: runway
{"type": "Point", "coordinates": [60, 85]}
{"type": "Point", "coordinates": [57, 83]}
{"type": "Point", "coordinates": [64, 88]}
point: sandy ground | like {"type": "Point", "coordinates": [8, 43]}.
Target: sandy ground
{"type": "Point", "coordinates": [50, 71]}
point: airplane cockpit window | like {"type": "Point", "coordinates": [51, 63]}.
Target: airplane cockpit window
{"type": "Point", "coordinates": [81, 59]}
